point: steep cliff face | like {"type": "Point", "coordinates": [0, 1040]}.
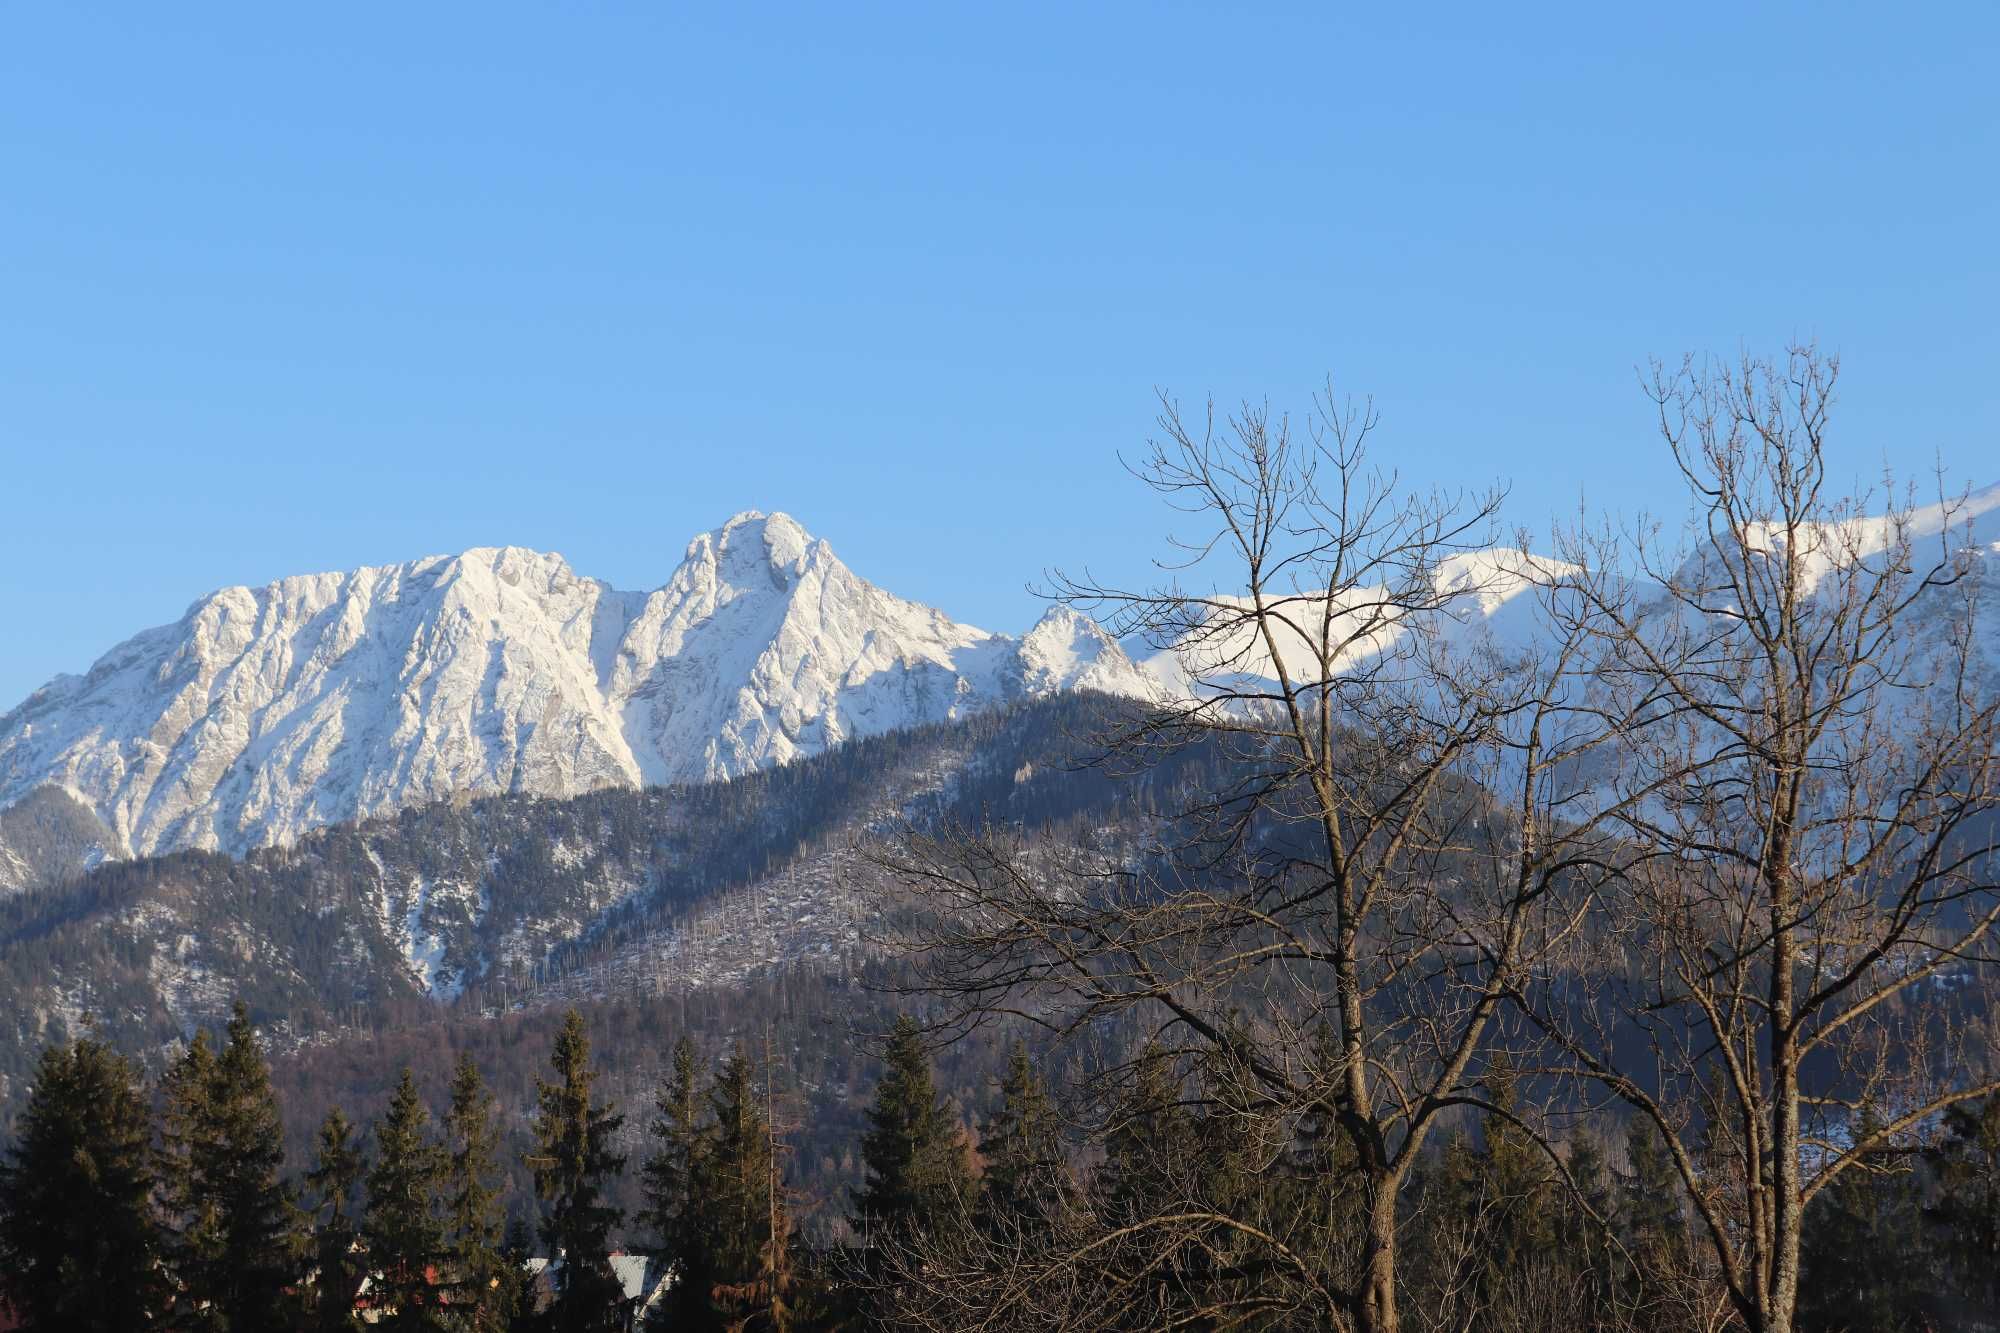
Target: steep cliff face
{"type": "Point", "coordinates": [266, 712]}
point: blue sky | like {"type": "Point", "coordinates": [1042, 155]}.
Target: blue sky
{"type": "Point", "coordinates": [284, 290]}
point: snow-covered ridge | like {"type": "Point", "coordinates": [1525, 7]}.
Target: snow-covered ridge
{"type": "Point", "coordinates": [1487, 597]}
{"type": "Point", "coordinates": [1483, 597]}
{"type": "Point", "coordinates": [265, 712]}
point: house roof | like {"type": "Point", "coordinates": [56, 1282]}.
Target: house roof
{"type": "Point", "coordinates": [641, 1277]}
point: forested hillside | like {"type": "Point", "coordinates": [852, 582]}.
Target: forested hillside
{"type": "Point", "coordinates": [465, 911]}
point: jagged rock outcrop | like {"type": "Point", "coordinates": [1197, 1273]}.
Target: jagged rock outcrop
{"type": "Point", "coordinates": [266, 712]}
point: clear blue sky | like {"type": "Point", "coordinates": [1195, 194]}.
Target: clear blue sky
{"type": "Point", "coordinates": [285, 290]}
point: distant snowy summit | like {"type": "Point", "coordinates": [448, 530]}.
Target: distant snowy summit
{"type": "Point", "coordinates": [266, 712]}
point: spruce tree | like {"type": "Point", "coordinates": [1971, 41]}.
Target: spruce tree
{"type": "Point", "coordinates": [1457, 1185]}
{"type": "Point", "coordinates": [750, 1259]}
{"type": "Point", "coordinates": [1488, 1209]}
{"type": "Point", "coordinates": [232, 1248]}
{"type": "Point", "coordinates": [77, 1239]}
{"type": "Point", "coordinates": [517, 1247]}
{"type": "Point", "coordinates": [1966, 1215]}
{"type": "Point", "coordinates": [476, 1271]}
{"type": "Point", "coordinates": [1650, 1214]}
{"type": "Point", "coordinates": [1149, 1146]}
{"type": "Point", "coordinates": [191, 1237]}
{"type": "Point", "coordinates": [916, 1177]}
{"type": "Point", "coordinates": [1238, 1169]}
{"type": "Point", "coordinates": [739, 1165]}
{"type": "Point", "coordinates": [572, 1162]}
{"type": "Point", "coordinates": [679, 1213]}
{"type": "Point", "coordinates": [1323, 1187]}
{"type": "Point", "coordinates": [1027, 1180]}
{"type": "Point", "coordinates": [1861, 1263]}
{"type": "Point", "coordinates": [402, 1229]}
{"type": "Point", "coordinates": [1584, 1240]}
{"type": "Point", "coordinates": [335, 1175]}
{"type": "Point", "coordinates": [1519, 1186]}
{"type": "Point", "coordinates": [1151, 1169]}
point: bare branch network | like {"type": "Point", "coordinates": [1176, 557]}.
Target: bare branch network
{"type": "Point", "coordinates": [1698, 834]}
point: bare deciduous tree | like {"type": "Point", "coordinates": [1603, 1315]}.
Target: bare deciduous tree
{"type": "Point", "coordinates": [1802, 793]}
{"type": "Point", "coordinates": [1337, 927]}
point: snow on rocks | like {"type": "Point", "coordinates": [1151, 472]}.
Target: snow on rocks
{"type": "Point", "coordinates": [263, 713]}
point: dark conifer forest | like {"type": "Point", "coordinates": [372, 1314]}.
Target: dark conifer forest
{"type": "Point", "coordinates": [125, 1206]}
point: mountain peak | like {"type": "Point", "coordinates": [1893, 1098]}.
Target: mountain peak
{"type": "Point", "coordinates": [321, 698]}
{"type": "Point", "coordinates": [1067, 650]}
{"type": "Point", "coordinates": [754, 539]}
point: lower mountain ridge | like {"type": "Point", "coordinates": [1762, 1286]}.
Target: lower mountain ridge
{"type": "Point", "coordinates": [489, 906]}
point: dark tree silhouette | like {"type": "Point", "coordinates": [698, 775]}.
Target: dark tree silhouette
{"type": "Point", "coordinates": [573, 1163]}
{"type": "Point", "coordinates": [78, 1243]}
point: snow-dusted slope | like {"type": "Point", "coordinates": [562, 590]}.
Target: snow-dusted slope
{"type": "Point", "coordinates": [265, 712]}
{"type": "Point", "coordinates": [46, 839]}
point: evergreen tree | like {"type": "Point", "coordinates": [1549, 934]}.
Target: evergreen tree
{"type": "Point", "coordinates": [916, 1177]}
{"type": "Point", "coordinates": [1238, 1172]}
{"type": "Point", "coordinates": [1859, 1256]}
{"type": "Point", "coordinates": [77, 1240]}
{"type": "Point", "coordinates": [1650, 1213]}
{"type": "Point", "coordinates": [572, 1163]}
{"type": "Point", "coordinates": [232, 1248]}
{"type": "Point", "coordinates": [193, 1223]}
{"type": "Point", "coordinates": [517, 1247]}
{"type": "Point", "coordinates": [1488, 1213]}
{"type": "Point", "coordinates": [402, 1230]}
{"type": "Point", "coordinates": [1027, 1180]}
{"type": "Point", "coordinates": [1442, 1264]}
{"type": "Point", "coordinates": [1966, 1214]}
{"type": "Point", "coordinates": [1584, 1240]}
{"type": "Point", "coordinates": [1152, 1167]}
{"type": "Point", "coordinates": [1519, 1186]}
{"type": "Point", "coordinates": [336, 1173]}
{"type": "Point", "coordinates": [476, 1272]}
{"type": "Point", "coordinates": [750, 1264]}
{"type": "Point", "coordinates": [1149, 1146]}
{"type": "Point", "coordinates": [678, 1198]}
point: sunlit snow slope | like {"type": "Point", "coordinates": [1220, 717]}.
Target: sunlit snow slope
{"type": "Point", "coordinates": [265, 712]}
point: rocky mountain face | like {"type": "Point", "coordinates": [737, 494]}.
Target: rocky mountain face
{"type": "Point", "coordinates": [266, 712]}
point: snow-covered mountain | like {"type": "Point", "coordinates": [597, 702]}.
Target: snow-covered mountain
{"type": "Point", "coordinates": [265, 712]}
{"type": "Point", "coordinates": [1488, 598]}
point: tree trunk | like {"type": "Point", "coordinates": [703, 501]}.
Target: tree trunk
{"type": "Point", "coordinates": [1787, 1222]}
{"type": "Point", "coordinates": [1378, 1259]}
